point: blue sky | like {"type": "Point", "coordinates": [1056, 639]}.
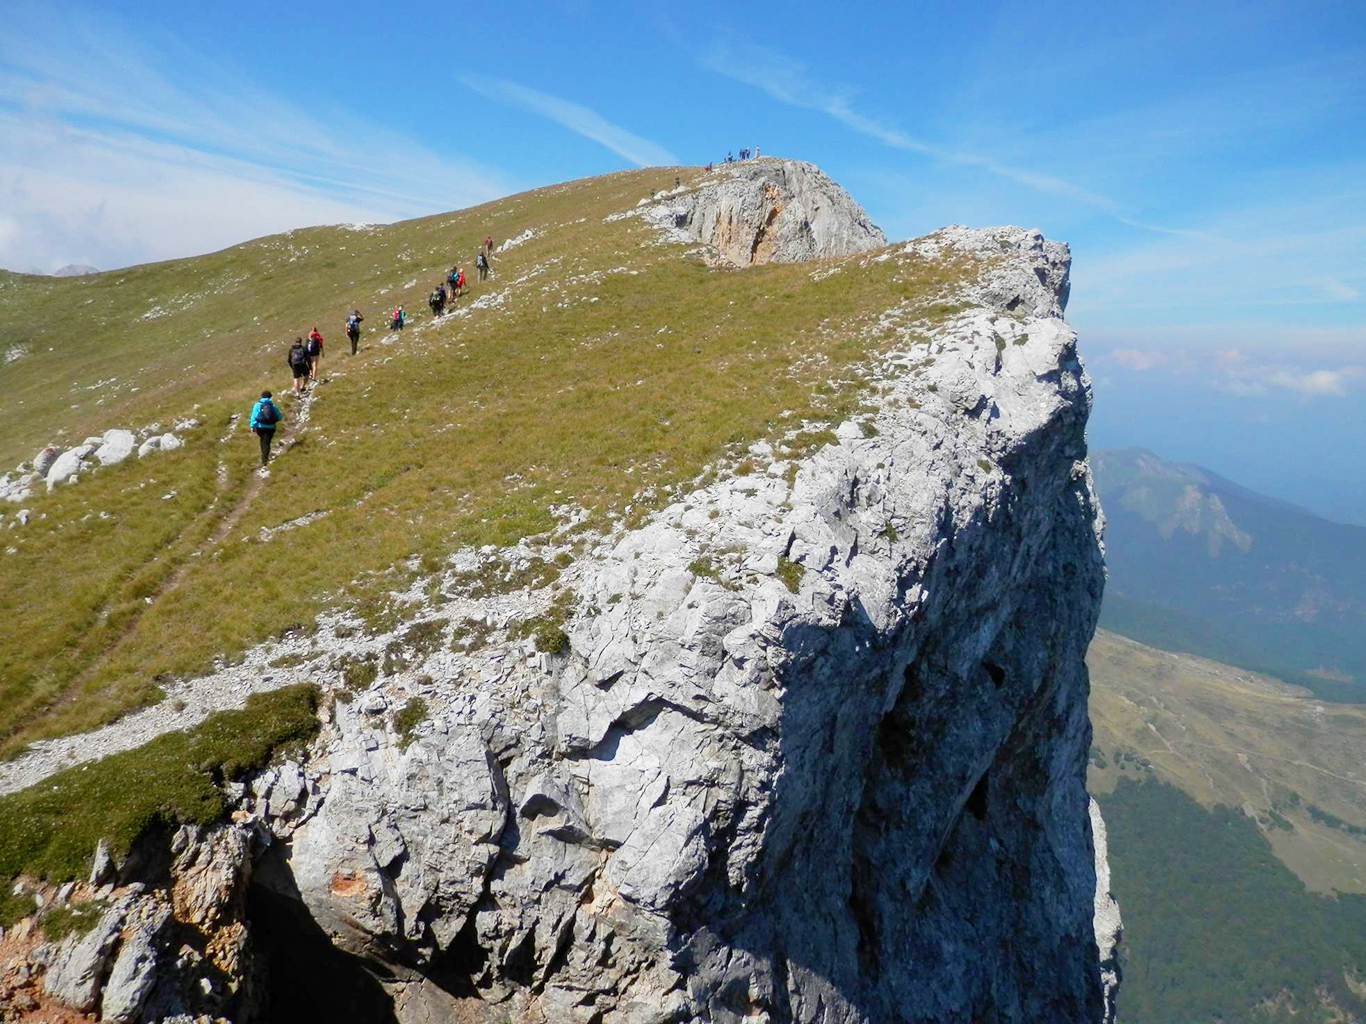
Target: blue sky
{"type": "Point", "coordinates": [1206, 162]}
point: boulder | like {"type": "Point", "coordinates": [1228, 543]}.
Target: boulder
{"type": "Point", "coordinates": [43, 461]}
{"type": "Point", "coordinates": [152, 444]}
{"type": "Point", "coordinates": [118, 445]}
{"type": "Point", "coordinates": [169, 442]}
{"type": "Point", "coordinates": [67, 465]}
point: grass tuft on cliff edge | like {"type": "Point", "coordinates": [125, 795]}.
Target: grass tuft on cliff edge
{"type": "Point", "coordinates": [51, 830]}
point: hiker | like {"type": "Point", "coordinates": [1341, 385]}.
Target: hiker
{"type": "Point", "coordinates": [488, 245]}
{"type": "Point", "coordinates": [482, 262]}
{"type": "Point", "coordinates": [264, 416]}
{"type": "Point", "coordinates": [756, 152]}
{"type": "Point", "coordinates": [729, 159]}
{"type": "Point", "coordinates": [299, 364]}
{"type": "Point", "coordinates": [708, 167]}
{"type": "Point", "coordinates": [453, 279]}
{"type": "Point", "coordinates": [459, 281]}
{"type": "Point", "coordinates": [353, 329]}
{"type": "Point", "coordinates": [400, 318]}
{"type": "Point", "coordinates": [315, 354]}
{"type": "Point", "coordinates": [437, 300]}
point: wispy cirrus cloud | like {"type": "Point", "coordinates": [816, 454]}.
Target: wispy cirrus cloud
{"type": "Point", "coordinates": [107, 157]}
{"type": "Point", "coordinates": [789, 81]}
{"type": "Point", "coordinates": [577, 118]}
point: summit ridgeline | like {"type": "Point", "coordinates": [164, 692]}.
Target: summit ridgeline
{"type": "Point", "coordinates": [695, 619]}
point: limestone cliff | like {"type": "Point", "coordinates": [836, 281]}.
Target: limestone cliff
{"type": "Point", "coordinates": [812, 748]}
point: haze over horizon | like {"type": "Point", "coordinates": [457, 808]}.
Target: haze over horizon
{"type": "Point", "coordinates": [1199, 162]}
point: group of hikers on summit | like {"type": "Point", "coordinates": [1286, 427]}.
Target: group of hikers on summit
{"type": "Point", "coordinates": [307, 352]}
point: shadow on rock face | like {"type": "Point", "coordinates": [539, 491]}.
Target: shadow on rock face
{"type": "Point", "coordinates": [306, 977]}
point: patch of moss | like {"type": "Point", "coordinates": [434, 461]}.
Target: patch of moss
{"type": "Point", "coordinates": [984, 465]}
{"type": "Point", "coordinates": [704, 566]}
{"type": "Point", "coordinates": [59, 922]}
{"type": "Point", "coordinates": [357, 673]}
{"type": "Point", "coordinates": [469, 635]}
{"type": "Point", "coordinates": [14, 908]}
{"type": "Point", "coordinates": [50, 829]}
{"type": "Point", "coordinates": [407, 720]}
{"type": "Point", "coordinates": [790, 573]}
{"type": "Point", "coordinates": [547, 631]}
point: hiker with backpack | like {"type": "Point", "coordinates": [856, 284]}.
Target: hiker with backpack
{"type": "Point", "coordinates": [488, 245]}
{"type": "Point", "coordinates": [299, 364]}
{"type": "Point", "coordinates": [399, 319]}
{"type": "Point", "coordinates": [353, 329]}
{"type": "Point", "coordinates": [437, 300]}
{"type": "Point", "coordinates": [481, 261]}
{"type": "Point", "coordinates": [459, 281]}
{"type": "Point", "coordinates": [453, 279]}
{"type": "Point", "coordinates": [264, 417]}
{"type": "Point", "coordinates": [314, 346]}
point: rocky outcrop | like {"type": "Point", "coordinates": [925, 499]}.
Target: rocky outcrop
{"type": "Point", "coordinates": [809, 746]}
{"type": "Point", "coordinates": [55, 464]}
{"type": "Point", "coordinates": [767, 211]}
{"type": "Point", "coordinates": [1109, 928]}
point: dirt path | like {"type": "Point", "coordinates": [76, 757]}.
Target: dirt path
{"type": "Point", "coordinates": [226, 523]}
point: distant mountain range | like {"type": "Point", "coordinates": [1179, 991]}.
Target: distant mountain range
{"type": "Point", "coordinates": [74, 270]}
{"type": "Point", "coordinates": [1202, 565]}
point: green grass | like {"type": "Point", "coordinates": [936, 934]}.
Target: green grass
{"type": "Point", "coordinates": [790, 573]}
{"type": "Point", "coordinates": [59, 922]}
{"type": "Point", "coordinates": [465, 434]}
{"type": "Point", "coordinates": [50, 830]}
{"type": "Point", "coordinates": [408, 719]}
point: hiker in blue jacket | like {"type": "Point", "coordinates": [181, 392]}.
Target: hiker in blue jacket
{"type": "Point", "coordinates": [264, 416]}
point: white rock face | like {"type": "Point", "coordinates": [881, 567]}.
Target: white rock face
{"type": "Point", "coordinates": [43, 461]}
{"type": "Point", "coordinates": [763, 211]}
{"type": "Point", "coordinates": [734, 800]}
{"type": "Point", "coordinates": [814, 752]}
{"type": "Point", "coordinates": [117, 446]}
{"type": "Point", "coordinates": [1108, 926]}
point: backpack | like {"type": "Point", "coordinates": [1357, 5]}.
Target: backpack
{"type": "Point", "coordinates": [352, 324]}
{"type": "Point", "coordinates": [311, 347]}
{"type": "Point", "coordinates": [298, 356]}
{"type": "Point", "coordinates": [267, 415]}
{"type": "Point", "coordinates": [453, 278]}
{"type": "Point", "coordinates": [435, 297]}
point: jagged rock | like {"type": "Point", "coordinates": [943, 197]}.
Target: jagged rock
{"type": "Point", "coordinates": [102, 868]}
{"type": "Point", "coordinates": [76, 966]}
{"type": "Point", "coordinates": [768, 211]}
{"type": "Point", "coordinates": [117, 446]}
{"type": "Point", "coordinates": [169, 442]}
{"type": "Point", "coordinates": [134, 972]}
{"type": "Point", "coordinates": [150, 445]}
{"type": "Point", "coordinates": [17, 488]}
{"type": "Point", "coordinates": [43, 461]}
{"type": "Point", "coordinates": [67, 465]}
{"type": "Point", "coordinates": [1108, 926]}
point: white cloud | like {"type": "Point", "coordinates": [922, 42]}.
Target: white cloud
{"type": "Point", "coordinates": [1138, 359]}
{"type": "Point", "coordinates": [105, 160]}
{"type": "Point", "coordinates": [1315, 383]}
{"type": "Point", "coordinates": [577, 118]}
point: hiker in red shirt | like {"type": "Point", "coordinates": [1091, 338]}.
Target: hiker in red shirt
{"type": "Point", "coordinates": [315, 354]}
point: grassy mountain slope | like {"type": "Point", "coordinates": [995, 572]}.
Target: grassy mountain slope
{"type": "Point", "coordinates": [602, 368]}
{"type": "Point", "coordinates": [1226, 736]}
